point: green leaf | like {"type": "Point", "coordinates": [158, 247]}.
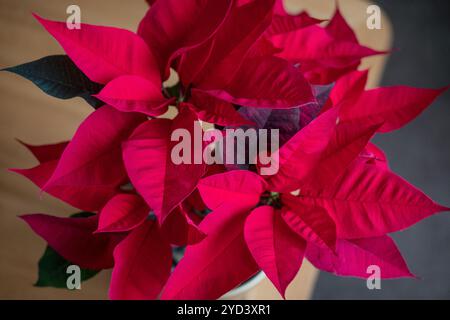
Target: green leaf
{"type": "Point", "coordinates": [82, 214]}
{"type": "Point", "coordinates": [53, 267]}
{"type": "Point", "coordinates": [52, 270]}
{"type": "Point", "coordinates": [59, 77]}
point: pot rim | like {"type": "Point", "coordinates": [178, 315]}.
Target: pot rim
{"type": "Point", "coordinates": [246, 286]}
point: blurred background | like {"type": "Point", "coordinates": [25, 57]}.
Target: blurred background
{"type": "Point", "coordinates": [420, 152]}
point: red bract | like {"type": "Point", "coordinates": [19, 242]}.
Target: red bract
{"type": "Point", "coordinates": [105, 53]}
{"type": "Point", "coordinates": [93, 159]}
{"type": "Point", "coordinates": [322, 218]}
{"type": "Point", "coordinates": [321, 151]}
{"type": "Point", "coordinates": [172, 28]}
{"type": "Point", "coordinates": [276, 248]}
{"type": "Point", "coordinates": [213, 110]}
{"type": "Point", "coordinates": [80, 195]}
{"type": "Point", "coordinates": [135, 94]}
{"type": "Point", "coordinates": [223, 62]}
{"type": "Point", "coordinates": [369, 201]}
{"type": "Point", "coordinates": [324, 54]}
{"type": "Point", "coordinates": [241, 63]}
{"type": "Point", "coordinates": [218, 263]}
{"type": "Point", "coordinates": [379, 251]}
{"type": "Point", "coordinates": [143, 250]}
{"type": "Point", "coordinates": [122, 213]}
{"type": "Point", "coordinates": [147, 155]}
{"type": "Point", "coordinates": [73, 239]}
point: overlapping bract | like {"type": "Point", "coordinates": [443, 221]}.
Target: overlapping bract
{"type": "Point", "coordinates": [240, 63]}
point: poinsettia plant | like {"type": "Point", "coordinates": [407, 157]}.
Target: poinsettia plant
{"type": "Point", "coordinates": [240, 63]}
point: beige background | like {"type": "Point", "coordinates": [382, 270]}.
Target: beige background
{"type": "Point", "coordinates": [36, 118]}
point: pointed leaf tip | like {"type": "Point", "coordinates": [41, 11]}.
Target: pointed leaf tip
{"type": "Point", "coordinates": [275, 247]}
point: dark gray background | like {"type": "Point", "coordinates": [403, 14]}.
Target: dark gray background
{"type": "Point", "coordinates": [419, 152]}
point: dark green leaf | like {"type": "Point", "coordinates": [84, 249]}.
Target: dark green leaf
{"type": "Point", "coordinates": [52, 270]}
{"type": "Point", "coordinates": [83, 214]}
{"type": "Point", "coordinates": [59, 77]}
